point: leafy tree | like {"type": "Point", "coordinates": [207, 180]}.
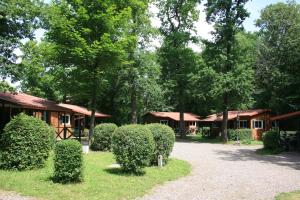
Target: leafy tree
{"type": "Point", "coordinates": [233, 81]}
{"type": "Point", "coordinates": [176, 58]}
{"type": "Point", "coordinates": [5, 87]}
{"type": "Point", "coordinates": [92, 37]}
{"type": "Point", "coordinates": [278, 63]}
{"type": "Point", "coordinates": [17, 22]}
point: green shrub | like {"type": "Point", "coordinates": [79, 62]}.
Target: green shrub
{"type": "Point", "coordinates": [164, 138]}
{"type": "Point", "coordinates": [271, 139]}
{"type": "Point", "coordinates": [25, 143]}
{"type": "Point", "coordinates": [244, 135]}
{"type": "Point", "coordinates": [67, 161]}
{"type": "Point", "coordinates": [102, 137]}
{"type": "Point", "coordinates": [133, 146]}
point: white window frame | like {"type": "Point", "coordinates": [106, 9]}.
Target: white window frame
{"type": "Point", "coordinates": [244, 121]}
{"type": "Point", "coordinates": [164, 121]}
{"type": "Point", "coordinates": [258, 120]}
{"type": "Point", "coordinates": [68, 116]}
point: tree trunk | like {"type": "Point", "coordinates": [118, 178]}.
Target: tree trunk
{"type": "Point", "coordinates": [93, 106]}
{"type": "Point", "coordinates": [181, 114]}
{"type": "Point", "coordinates": [225, 118]}
{"type": "Point", "coordinates": [133, 106]}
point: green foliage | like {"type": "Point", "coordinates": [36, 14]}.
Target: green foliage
{"type": "Point", "coordinates": [17, 21]}
{"type": "Point", "coordinates": [278, 59]}
{"type": "Point", "coordinates": [102, 137]}
{"type": "Point", "coordinates": [6, 87]}
{"type": "Point", "coordinates": [271, 139]}
{"type": "Point", "coordinates": [67, 161]}
{"type": "Point", "coordinates": [25, 143]}
{"type": "Point", "coordinates": [164, 138]}
{"type": "Point", "coordinates": [133, 146]}
{"type": "Point", "coordinates": [244, 135]}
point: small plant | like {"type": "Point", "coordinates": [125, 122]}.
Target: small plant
{"type": "Point", "coordinates": [102, 137]}
{"type": "Point", "coordinates": [271, 139]}
{"type": "Point", "coordinates": [25, 143]}
{"type": "Point", "coordinates": [67, 162]}
{"type": "Point", "coordinates": [133, 147]}
{"type": "Point", "coordinates": [164, 138]}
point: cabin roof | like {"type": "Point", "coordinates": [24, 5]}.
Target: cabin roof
{"type": "Point", "coordinates": [234, 114]}
{"type": "Point", "coordinates": [32, 102]}
{"type": "Point", "coordinates": [175, 116]}
{"type": "Point", "coordinates": [84, 111]}
{"type": "Point", "coordinates": [285, 116]}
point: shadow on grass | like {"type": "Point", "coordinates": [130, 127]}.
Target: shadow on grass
{"type": "Point", "coordinates": [120, 172]}
{"type": "Point", "coordinates": [287, 159]}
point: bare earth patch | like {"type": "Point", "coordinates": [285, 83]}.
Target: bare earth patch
{"type": "Point", "coordinates": [13, 196]}
{"type": "Point", "coordinates": [228, 172]}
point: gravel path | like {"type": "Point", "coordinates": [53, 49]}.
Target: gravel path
{"type": "Point", "coordinates": [228, 172]}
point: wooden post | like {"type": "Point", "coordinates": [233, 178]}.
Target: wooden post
{"type": "Point", "coordinates": [79, 129]}
{"type": "Point", "coordinates": [64, 121]}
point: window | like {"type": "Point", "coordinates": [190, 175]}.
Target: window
{"type": "Point", "coordinates": [258, 124]}
{"type": "Point", "coordinates": [192, 124]}
{"type": "Point", "coordinates": [243, 124]}
{"type": "Point", "coordinates": [65, 119]}
{"type": "Point", "coordinates": [166, 122]}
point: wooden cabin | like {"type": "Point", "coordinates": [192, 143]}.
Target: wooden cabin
{"type": "Point", "coordinates": [172, 119]}
{"type": "Point", "coordinates": [65, 118]}
{"type": "Point", "coordinates": [257, 120]}
{"type": "Point", "coordinates": [287, 122]}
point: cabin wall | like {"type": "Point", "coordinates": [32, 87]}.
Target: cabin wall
{"type": "Point", "coordinates": [257, 133]}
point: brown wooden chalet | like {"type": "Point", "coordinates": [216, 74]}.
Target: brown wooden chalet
{"type": "Point", "coordinates": [172, 119]}
{"type": "Point", "coordinates": [257, 120]}
{"type": "Point", "coordinates": [287, 122]}
{"type": "Point", "coordinates": [68, 120]}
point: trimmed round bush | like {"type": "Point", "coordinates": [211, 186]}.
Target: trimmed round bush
{"type": "Point", "coordinates": [271, 139]}
{"type": "Point", "coordinates": [102, 137]}
{"type": "Point", "coordinates": [25, 143]}
{"type": "Point", "coordinates": [133, 147]}
{"type": "Point", "coordinates": [67, 161]}
{"type": "Point", "coordinates": [164, 138]}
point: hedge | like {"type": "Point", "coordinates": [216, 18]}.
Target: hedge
{"type": "Point", "coordinates": [164, 138]}
{"type": "Point", "coordinates": [25, 143]}
{"type": "Point", "coordinates": [102, 137]}
{"type": "Point", "coordinates": [68, 161]}
{"type": "Point", "coordinates": [271, 139]}
{"type": "Point", "coordinates": [242, 134]}
{"type": "Point", "coordinates": [133, 147]}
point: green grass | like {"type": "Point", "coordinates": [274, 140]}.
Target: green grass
{"type": "Point", "coordinates": [201, 139]}
{"type": "Point", "coordinates": [100, 181]}
{"type": "Point", "coordinates": [289, 196]}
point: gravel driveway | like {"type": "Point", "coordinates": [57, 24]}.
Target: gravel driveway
{"type": "Point", "coordinates": [228, 172]}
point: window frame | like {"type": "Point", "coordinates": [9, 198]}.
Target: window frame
{"type": "Point", "coordinates": [164, 121]}
{"type": "Point", "coordinates": [243, 122]}
{"type": "Point", "coordinates": [258, 120]}
{"type": "Point", "coordinates": [61, 121]}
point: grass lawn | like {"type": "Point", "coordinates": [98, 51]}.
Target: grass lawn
{"type": "Point", "coordinates": [289, 196]}
{"type": "Point", "coordinates": [100, 181]}
{"type": "Point", "coordinates": [200, 138]}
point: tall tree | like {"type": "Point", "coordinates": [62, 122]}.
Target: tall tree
{"type": "Point", "coordinates": [177, 59]}
{"type": "Point", "coordinates": [228, 17]}
{"type": "Point", "coordinates": [18, 20]}
{"type": "Point", "coordinates": [140, 29]}
{"type": "Point", "coordinates": [278, 63]}
{"type": "Point", "coordinates": [91, 36]}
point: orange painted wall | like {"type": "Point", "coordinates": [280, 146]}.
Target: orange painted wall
{"type": "Point", "coordinates": [257, 133]}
